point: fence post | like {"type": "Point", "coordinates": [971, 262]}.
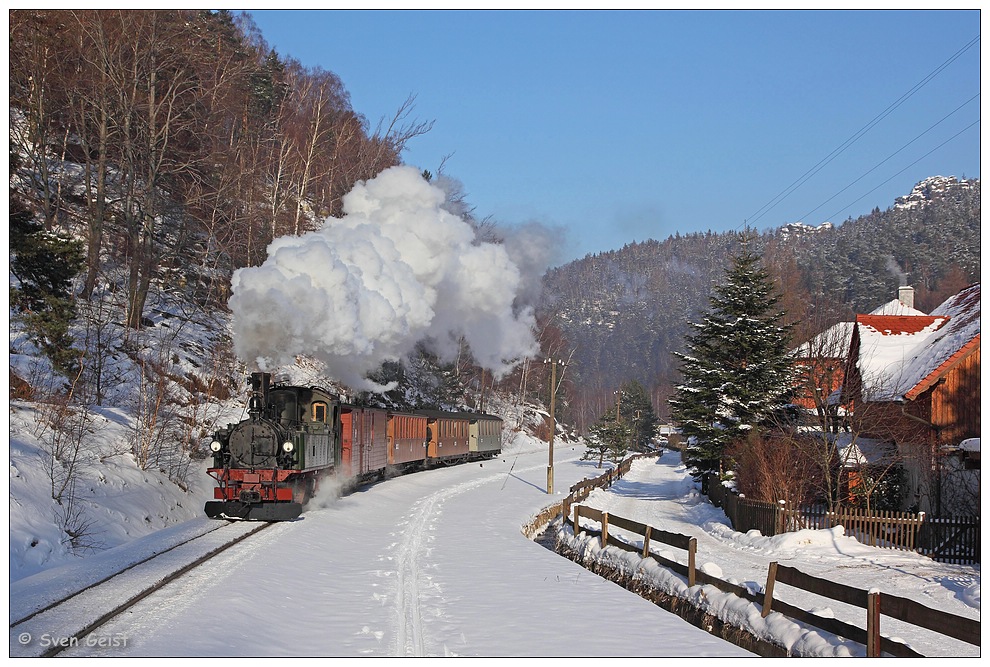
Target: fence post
{"type": "Point", "coordinates": [646, 542]}
{"type": "Point", "coordinates": [604, 529]}
{"type": "Point", "coordinates": [577, 519]}
{"type": "Point", "coordinates": [873, 624]}
{"type": "Point", "coordinates": [692, 550]}
{"type": "Point", "coordinates": [768, 591]}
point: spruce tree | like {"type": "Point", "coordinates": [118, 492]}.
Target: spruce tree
{"type": "Point", "coordinates": [609, 438]}
{"type": "Point", "coordinates": [736, 372]}
{"type": "Point", "coordinates": [636, 411]}
{"type": "Point", "coordinates": [43, 265]}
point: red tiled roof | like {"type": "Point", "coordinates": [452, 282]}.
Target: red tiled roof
{"type": "Point", "coordinates": [891, 325]}
{"type": "Point", "coordinates": [906, 355]}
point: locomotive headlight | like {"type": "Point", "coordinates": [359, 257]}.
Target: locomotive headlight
{"type": "Point", "coordinates": [215, 445]}
{"type": "Point", "coordinates": [287, 447]}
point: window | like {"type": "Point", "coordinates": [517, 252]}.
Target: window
{"type": "Point", "coordinates": [320, 412]}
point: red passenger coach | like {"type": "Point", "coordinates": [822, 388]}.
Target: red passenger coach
{"type": "Point", "coordinates": [406, 438]}
{"type": "Point", "coordinates": [448, 436]}
{"type": "Point", "coordinates": [268, 466]}
{"type": "Point", "coordinates": [364, 447]}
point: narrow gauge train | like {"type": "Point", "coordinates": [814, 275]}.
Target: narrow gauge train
{"type": "Point", "coordinates": [269, 465]}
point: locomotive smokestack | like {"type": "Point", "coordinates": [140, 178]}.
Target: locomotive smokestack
{"type": "Point", "coordinates": [260, 382]}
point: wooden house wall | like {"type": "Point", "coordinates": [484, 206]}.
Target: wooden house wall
{"type": "Point", "coordinates": [955, 402]}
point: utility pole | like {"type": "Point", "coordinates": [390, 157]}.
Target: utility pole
{"type": "Point", "coordinates": [553, 422]}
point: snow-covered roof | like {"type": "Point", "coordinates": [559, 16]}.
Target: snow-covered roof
{"type": "Point", "coordinates": [834, 341]}
{"type": "Point", "coordinates": [895, 307]}
{"type": "Point", "coordinates": [970, 445]}
{"type": "Point", "coordinates": [900, 356]}
{"type": "Point", "coordinates": [855, 451]}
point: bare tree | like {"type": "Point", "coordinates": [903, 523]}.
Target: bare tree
{"type": "Point", "coordinates": [38, 131]}
{"type": "Point", "coordinates": [390, 138]}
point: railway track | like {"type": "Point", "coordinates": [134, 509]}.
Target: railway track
{"type": "Point", "coordinates": [74, 619]}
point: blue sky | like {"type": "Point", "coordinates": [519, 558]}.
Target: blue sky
{"type": "Point", "coordinates": [621, 126]}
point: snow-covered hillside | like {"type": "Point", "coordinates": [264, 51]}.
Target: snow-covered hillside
{"type": "Point", "coordinates": [113, 500]}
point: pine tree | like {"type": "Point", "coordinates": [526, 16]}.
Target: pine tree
{"type": "Point", "coordinates": [43, 265]}
{"type": "Point", "coordinates": [736, 372]}
{"type": "Point", "coordinates": [636, 411]}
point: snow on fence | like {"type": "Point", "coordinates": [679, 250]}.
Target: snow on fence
{"type": "Point", "coordinates": [648, 533]}
{"type": "Point", "coordinates": [947, 540]}
{"type": "Point", "coordinates": [887, 529]}
{"type": "Point", "coordinates": [579, 492]}
{"type": "Point", "coordinates": [874, 602]}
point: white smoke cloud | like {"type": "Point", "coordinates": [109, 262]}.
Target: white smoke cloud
{"type": "Point", "coordinates": [533, 247]}
{"type": "Point", "coordinates": [395, 270]}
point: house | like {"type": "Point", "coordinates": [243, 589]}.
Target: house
{"type": "Point", "coordinates": [914, 380]}
{"type": "Point", "coordinates": [821, 363]}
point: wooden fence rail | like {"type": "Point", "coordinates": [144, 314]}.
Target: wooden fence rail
{"type": "Point", "coordinates": [875, 603]}
{"type": "Point", "coordinates": [648, 533]}
{"type": "Point", "coordinates": [947, 540]}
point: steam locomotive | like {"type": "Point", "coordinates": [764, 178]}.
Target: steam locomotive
{"type": "Point", "coordinates": [268, 466]}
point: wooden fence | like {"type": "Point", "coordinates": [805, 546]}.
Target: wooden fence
{"type": "Point", "coordinates": [874, 602]}
{"type": "Point", "coordinates": [774, 520]}
{"type": "Point", "coordinates": [947, 540]}
{"type": "Point", "coordinates": [953, 539]}
{"type": "Point", "coordinates": [648, 533]}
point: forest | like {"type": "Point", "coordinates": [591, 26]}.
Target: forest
{"type": "Point", "coordinates": [194, 144]}
{"type": "Point", "coordinates": [153, 153]}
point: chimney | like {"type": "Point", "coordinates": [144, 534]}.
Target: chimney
{"type": "Point", "coordinates": [905, 294]}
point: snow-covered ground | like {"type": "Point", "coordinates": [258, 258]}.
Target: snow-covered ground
{"type": "Point", "coordinates": [661, 494]}
{"type": "Point", "coordinates": [427, 564]}
{"type": "Point", "coordinates": [116, 502]}
{"type": "Point", "coordinates": [434, 564]}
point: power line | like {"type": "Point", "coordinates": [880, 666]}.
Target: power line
{"type": "Point", "coordinates": [889, 157]}
{"type": "Point", "coordinates": [766, 208]}
{"type": "Point", "coordinates": [975, 122]}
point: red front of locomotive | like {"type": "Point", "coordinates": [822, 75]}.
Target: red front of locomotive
{"type": "Point", "coordinates": [253, 467]}
{"type": "Point", "coordinates": [268, 466]}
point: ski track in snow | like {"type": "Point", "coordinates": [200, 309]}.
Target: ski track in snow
{"type": "Point", "coordinates": [416, 595]}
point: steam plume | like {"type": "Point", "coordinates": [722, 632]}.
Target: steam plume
{"type": "Point", "coordinates": [395, 270]}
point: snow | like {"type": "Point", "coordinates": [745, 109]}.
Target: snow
{"type": "Point", "coordinates": [662, 495]}
{"type": "Point", "coordinates": [884, 355]}
{"type": "Point", "coordinates": [434, 563]}
{"type": "Point", "coordinates": [970, 445]}
{"type": "Point", "coordinates": [120, 502]}
{"type": "Point", "coordinates": [897, 307]}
